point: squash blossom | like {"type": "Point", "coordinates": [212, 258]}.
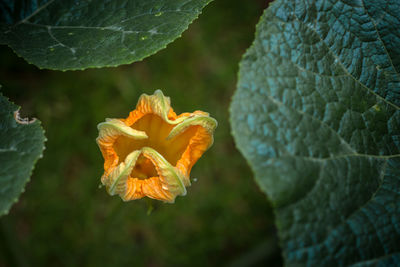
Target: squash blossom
{"type": "Point", "coordinates": [151, 152]}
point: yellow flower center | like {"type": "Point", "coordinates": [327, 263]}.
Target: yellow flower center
{"type": "Point", "coordinates": [157, 131]}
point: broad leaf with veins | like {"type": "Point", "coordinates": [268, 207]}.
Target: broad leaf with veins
{"type": "Point", "coordinates": [73, 34]}
{"type": "Point", "coordinates": [21, 145]}
{"type": "Point", "coordinates": [317, 115]}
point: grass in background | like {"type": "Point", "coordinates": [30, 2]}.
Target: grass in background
{"type": "Point", "coordinates": [65, 219]}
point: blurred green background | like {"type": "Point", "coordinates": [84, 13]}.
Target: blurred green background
{"type": "Point", "coordinates": [64, 219]}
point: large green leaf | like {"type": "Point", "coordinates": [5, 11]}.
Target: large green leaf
{"type": "Point", "coordinates": [76, 34]}
{"type": "Point", "coordinates": [21, 145]}
{"type": "Point", "coordinates": [316, 114]}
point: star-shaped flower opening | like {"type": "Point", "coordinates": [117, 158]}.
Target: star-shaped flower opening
{"type": "Point", "coordinates": [152, 151]}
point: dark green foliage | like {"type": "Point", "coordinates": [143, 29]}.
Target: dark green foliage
{"type": "Point", "coordinates": [317, 115]}
{"type": "Point", "coordinates": [76, 34]}
{"type": "Point", "coordinates": [21, 145]}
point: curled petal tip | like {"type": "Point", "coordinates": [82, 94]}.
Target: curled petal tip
{"type": "Point", "coordinates": [115, 127]}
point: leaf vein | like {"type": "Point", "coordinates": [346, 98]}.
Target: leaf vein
{"type": "Point", "coordinates": [35, 12]}
{"type": "Point", "coordinates": [338, 60]}
{"type": "Point", "coordinates": [380, 38]}
{"type": "Point", "coordinates": [279, 103]}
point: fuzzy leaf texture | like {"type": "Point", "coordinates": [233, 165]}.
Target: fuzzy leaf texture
{"type": "Point", "coordinates": [21, 145]}
{"type": "Point", "coordinates": [316, 114]}
{"type": "Point", "coordinates": [76, 34]}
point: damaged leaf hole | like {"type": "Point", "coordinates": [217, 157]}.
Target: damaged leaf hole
{"type": "Point", "coordinates": [20, 120]}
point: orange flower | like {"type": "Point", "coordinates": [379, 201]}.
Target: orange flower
{"type": "Point", "coordinates": [151, 152]}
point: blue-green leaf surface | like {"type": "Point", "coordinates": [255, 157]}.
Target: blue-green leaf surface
{"type": "Point", "coordinates": [21, 145]}
{"type": "Point", "coordinates": [76, 34]}
{"type": "Point", "coordinates": [316, 114]}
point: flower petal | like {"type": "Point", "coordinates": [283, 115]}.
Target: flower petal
{"type": "Point", "coordinates": [170, 177]}
{"type": "Point", "coordinates": [199, 142]}
{"type": "Point", "coordinates": [208, 123]}
{"type": "Point", "coordinates": [115, 182]}
{"type": "Point", "coordinates": [166, 186]}
{"type": "Point", "coordinates": [109, 131]}
{"type": "Point", "coordinates": [113, 127]}
{"type": "Point", "coordinates": [151, 104]}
